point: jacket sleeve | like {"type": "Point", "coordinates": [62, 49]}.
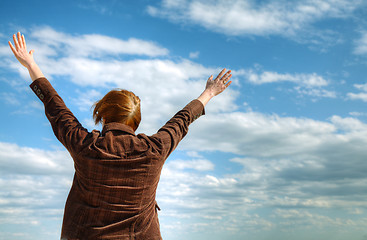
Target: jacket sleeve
{"type": "Point", "coordinates": [65, 125]}
{"type": "Point", "coordinates": [168, 137]}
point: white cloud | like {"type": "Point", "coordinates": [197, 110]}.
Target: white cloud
{"type": "Point", "coordinates": [358, 114]}
{"type": "Point", "coordinates": [349, 124]}
{"type": "Point", "coordinates": [362, 87]}
{"type": "Point", "coordinates": [293, 163]}
{"type": "Point", "coordinates": [307, 80]}
{"type": "Point", "coordinates": [85, 100]}
{"type": "Point", "coordinates": [310, 84]}
{"type": "Point", "coordinates": [361, 45]}
{"type": "Point", "coordinates": [260, 135]}
{"type": "Point", "coordinates": [9, 98]}
{"type": "Point", "coordinates": [194, 55]}
{"type": "Point", "coordinates": [306, 217]}
{"type": "Point", "coordinates": [51, 42]}
{"type": "Point", "coordinates": [5, 50]}
{"type": "Point", "coordinates": [358, 96]}
{"type": "Point", "coordinates": [361, 95]}
{"type": "Point", "coordinates": [196, 164]}
{"type": "Point", "coordinates": [290, 162]}
{"type": "Point", "coordinates": [245, 17]}
{"type": "Point", "coordinates": [97, 6]}
{"type": "Point", "coordinates": [25, 160]}
{"type": "Point", "coordinates": [316, 92]}
{"type": "Point", "coordinates": [34, 185]}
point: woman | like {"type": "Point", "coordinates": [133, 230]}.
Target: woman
{"type": "Point", "coordinates": [116, 171]}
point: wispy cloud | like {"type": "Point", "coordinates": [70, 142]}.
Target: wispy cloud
{"type": "Point", "coordinates": [85, 100]}
{"type": "Point", "coordinates": [96, 6]}
{"type": "Point", "coordinates": [361, 95]}
{"type": "Point", "coordinates": [308, 80]}
{"type": "Point", "coordinates": [245, 17]}
{"type": "Point", "coordinates": [358, 96]}
{"type": "Point", "coordinates": [361, 44]}
{"type": "Point", "coordinates": [194, 55]}
{"type": "Point", "coordinates": [9, 98]}
{"type": "Point", "coordinates": [196, 164]}
{"type": "Point", "coordinates": [33, 161]}
{"type": "Point", "coordinates": [261, 135]}
{"type": "Point", "coordinates": [91, 45]}
{"type": "Point", "coordinates": [310, 84]}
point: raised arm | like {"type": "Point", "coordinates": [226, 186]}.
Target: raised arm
{"type": "Point", "coordinates": [65, 125]}
{"type": "Point", "coordinates": [216, 86]}
{"type": "Point", "coordinates": [24, 57]}
{"type": "Point", "coordinates": [168, 137]}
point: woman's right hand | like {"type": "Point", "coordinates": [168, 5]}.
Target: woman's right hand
{"type": "Point", "coordinates": [219, 84]}
{"type": "Point", "coordinates": [216, 86]}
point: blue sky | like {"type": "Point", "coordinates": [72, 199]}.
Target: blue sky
{"type": "Point", "coordinates": [280, 155]}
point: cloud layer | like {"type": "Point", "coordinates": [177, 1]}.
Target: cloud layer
{"type": "Point", "coordinates": [247, 17]}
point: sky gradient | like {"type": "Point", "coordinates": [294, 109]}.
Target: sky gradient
{"type": "Point", "coordinates": [280, 155]}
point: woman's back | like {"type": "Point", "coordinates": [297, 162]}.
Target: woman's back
{"type": "Point", "coordinates": [116, 172]}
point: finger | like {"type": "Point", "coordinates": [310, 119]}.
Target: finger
{"type": "Point", "coordinates": [20, 40]}
{"type": "Point", "coordinates": [23, 41]}
{"type": "Point", "coordinates": [226, 78]}
{"type": "Point", "coordinates": [226, 75]}
{"type": "Point", "coordinates": [229, 83]}
{"type": "Point", "coordinates": [15, 42]}
{"type": "Point", "coordinates": [12, 48]}
{"type": "Point", "coordinates": [210, 78]}
{"type": "Point", "coordinates": [220, 74]}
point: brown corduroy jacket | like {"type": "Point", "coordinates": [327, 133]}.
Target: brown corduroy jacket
{"type": "Point", "coordinates": [116, 172]}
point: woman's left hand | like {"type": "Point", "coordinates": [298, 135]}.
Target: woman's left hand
{"type": "Point", "coordinates": [20, 51]}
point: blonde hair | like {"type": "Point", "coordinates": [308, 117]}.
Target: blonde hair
{"type": "Point", "coordinates": [118, 105]}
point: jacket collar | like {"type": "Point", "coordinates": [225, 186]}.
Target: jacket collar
{"type": "Point", "coordinates": [117, 126]}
